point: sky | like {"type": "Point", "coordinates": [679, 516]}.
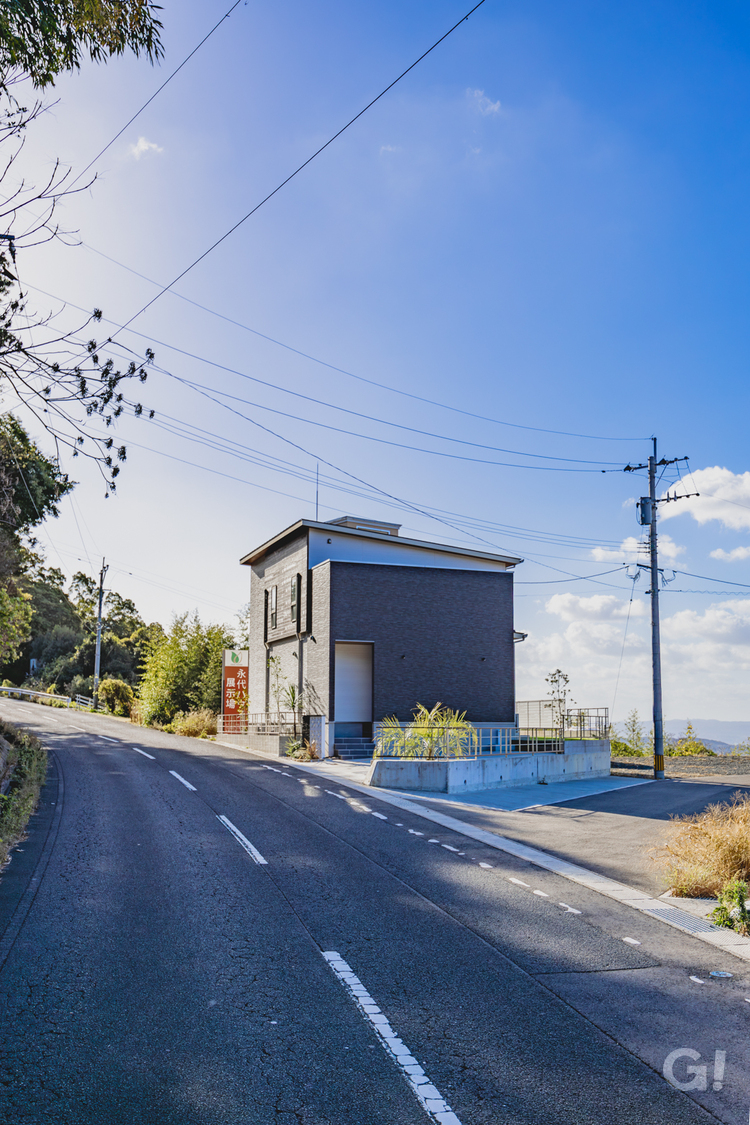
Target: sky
{"type": "Point", "coordinates": [520, 265]}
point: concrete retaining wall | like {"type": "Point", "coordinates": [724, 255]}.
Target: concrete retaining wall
{"type": "Point", "coordinates": [268, 743]}
{"type": "Point", "coordinates": [581, 760]}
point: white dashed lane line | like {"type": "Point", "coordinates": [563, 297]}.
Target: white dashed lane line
{"type": "Point", "coordinates": [631, 941]}
{"type": "Point", "coordinates": [185, 783]}
{"type": "Point", "coordinates": [569, 909]}
{"type": "Point", "coordinates": [697, 980]}
{"type": "Point", "coordinates": [379, 815]}
{"type": "Point", "coordinates": [107, 738]}
{"type": "Point", "coordinates": [145, 755]}
{"type": "Point", "coordinates": [430, 1098]}
{"type": "Point", "coordinates": [243, 841]}
{"type": "Point", "coordinates": [519, 882]}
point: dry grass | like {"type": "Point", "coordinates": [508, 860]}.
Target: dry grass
{"type": "Point", "coordinates": [194, 724]}
{"type": "Point", "coordinates": [704, 851]}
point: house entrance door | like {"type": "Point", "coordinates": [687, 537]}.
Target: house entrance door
{"type": "Point", "coordinates": [353, 689]}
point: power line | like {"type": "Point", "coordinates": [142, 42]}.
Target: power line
{"type": "Point", "coordinates": [321, 402]}
{"type": "Point", "coordinates": [325, 363]}
{"type": "Point", "coordinates": [156, 93]}
{"type": "Point", "coordinates": [707, 578]}
{"type": "Point", "coordinates": [296, 172]}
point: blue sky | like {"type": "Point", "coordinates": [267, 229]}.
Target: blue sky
{"type": "Point", "coordinates": [545, 225]}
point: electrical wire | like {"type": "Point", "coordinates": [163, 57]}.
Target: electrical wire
{"type": "Point", "coordinates": [297, 170]}
{"type": "Point", "coordinates": [708, 578]}
{"type": "Point", "coordinates": [156, 93]}
{"type": "Point", "coordinates": [624, 639]}
{"type": "Point", "coordinates": [325, 363]}
{"type": "Point", "coordinates": [328, 405]}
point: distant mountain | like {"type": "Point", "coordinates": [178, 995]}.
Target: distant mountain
{"type": "Point", "coordinates": [717, 747]}
{"type": "Point", "coordinates": [723, 732]}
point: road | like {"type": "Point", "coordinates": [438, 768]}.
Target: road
{"type": "Point", "coordinates": [318, 957]}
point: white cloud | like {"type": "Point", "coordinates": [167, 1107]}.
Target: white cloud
{"type": "Point", "coordinates": [482, 103]}
{"type": "Point", "coordinates": [597, 607]}
{"type": "Point", "coordinates": [731, 556]}
{"type": "Point", "coordinates": [705, 655]}
{"type": "Point", "coordinates": [389, 148]}
{"type": "Point", "coordinates": [636, 550]}
{"type": "Point", "coordinates": [141, 147]}
{"type": "Point", "coordinates": [724, 623]}
{"type": "Point", "coordinates": [724, 496]}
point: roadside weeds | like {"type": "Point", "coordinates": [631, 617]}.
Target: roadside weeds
{"type": "Point", "coordinates": [24, 771]}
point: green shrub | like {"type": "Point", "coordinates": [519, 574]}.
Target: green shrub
{"type": "Point", "coordinates": [193, 724]}
{"type": "Point", "coordinates": [27, 766]}
{"type": "Point", "coordinates": [302, 750]}
{"type": "Point", "coordinates": [732, 909]}
{"type": "Point", "coordinates": [117, 696]}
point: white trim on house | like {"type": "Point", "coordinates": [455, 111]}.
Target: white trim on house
{"type": "Point", "coordinates": [345, 544]}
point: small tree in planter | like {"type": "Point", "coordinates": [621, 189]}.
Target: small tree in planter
{"type": "Point", "coordinates": [436, 733]}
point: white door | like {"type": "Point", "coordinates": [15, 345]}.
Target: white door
{"type": "Point", "coordinates": [353, 683]}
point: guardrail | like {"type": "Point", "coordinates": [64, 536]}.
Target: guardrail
{"type": "Point", "coordinates": [84, 701]}
{"type": "Point", "coordinates": [11, 691]}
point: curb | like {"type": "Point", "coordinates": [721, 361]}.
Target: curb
{"type": "Point", "coordinates": [726, 940]}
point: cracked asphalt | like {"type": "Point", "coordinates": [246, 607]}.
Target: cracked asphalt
{"type": "Point", "coordinates": [153, 972]}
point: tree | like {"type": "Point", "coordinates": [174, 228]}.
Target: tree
{"type": "Point", "coordinates": [689, 744]}
{"type": "Point", "coordinates": [58, 381]}
{"type": "Point", "coordinates": [43, 38]}
{"type": "Point", "coordinates": [182, 670]}
{"type": "Point", "coordinates": [560, 696]}
{"type": "Point", "coordinates": [634, 739]}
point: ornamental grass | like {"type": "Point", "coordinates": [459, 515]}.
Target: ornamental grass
{"type": "Point", "coordinates": [705, 851]}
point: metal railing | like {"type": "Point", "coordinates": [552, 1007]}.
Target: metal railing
{"type": "Point", "coordinates": [265, 722]}
{"type": "Point", "coordinates": [12, 691]}
{"type": "Point", "coordinates": [84, 701]}
{"type": "Point", "coordinates": [575, 722]}
{"type": "Point", "coordinates": [478, 741]}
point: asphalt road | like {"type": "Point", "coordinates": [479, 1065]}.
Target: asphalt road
{"type": "Point", "coordinates": [618, 834]}
{"type": "Point", "coordinates": [155, 970]}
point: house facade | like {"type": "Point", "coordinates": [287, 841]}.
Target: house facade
{"type": "Point", "coordinates": [362, 623]}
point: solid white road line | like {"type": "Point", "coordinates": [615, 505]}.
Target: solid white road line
{"type": "Point", "coordinates": [185, 783]}
{"type": "Point", "coordinates": [145, 755]}
{"type": "Point", "coordinates": [242, 840]}
{"type": "Point", "coordinates": [431, 1100]}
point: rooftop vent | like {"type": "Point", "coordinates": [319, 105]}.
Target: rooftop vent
{"type": "Point", "coordinates": [366, 525]}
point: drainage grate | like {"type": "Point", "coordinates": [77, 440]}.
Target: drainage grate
{"type": "Point", "coordinates": [684, 920]}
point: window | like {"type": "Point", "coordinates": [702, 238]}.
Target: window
{"type": "Point", "coordinates": [272, 607]}
{"type": "Point", "coordinates": [293, 600]}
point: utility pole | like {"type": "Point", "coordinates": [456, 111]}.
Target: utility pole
{"type": "Point", "coordinates": [98, 657]}
{"type": "Point", "coordinates": [647, 508]}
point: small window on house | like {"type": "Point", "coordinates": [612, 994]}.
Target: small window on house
{"type": "Point", "coordinates": [272, 607]}
{"type": "Point", "coordinates": [293, 599]}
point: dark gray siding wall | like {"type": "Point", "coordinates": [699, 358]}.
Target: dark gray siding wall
{"type": "Point", "coordinates": [454, 629]}
{"type": "Point", "coordinates": [317, 653]}
{"type": "Point", "coordinates": [276, 569]}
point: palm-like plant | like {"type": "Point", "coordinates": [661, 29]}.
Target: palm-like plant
{"type": "Point", "coordinates": [436, 733]}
